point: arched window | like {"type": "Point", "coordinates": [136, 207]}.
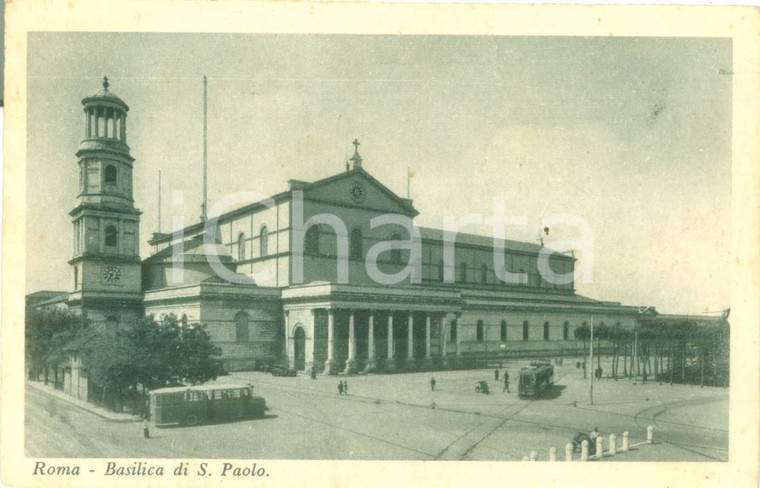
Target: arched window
{"type": "Point", "coordinates": [76, 277]}
{"type": "Point", "coordinates": [525, 330]}
{"type": "Point", "coordinates": [312, 241]}
{"type": "Point", "coordinates": [453, 330]}
{"type": "Point", "coordinates": [356, 243]}
{"type": "Point", "coordinates": [241, 327]}
{"type": "Point", "coordinates": [241, 246]}
{"type": "Point", "coordinates": [112, 321]}
{"type": "Point", "coordinates": [479, 331]}
{"type": "Point", "coordinates": [503, 334]}
{"type": "Point", "coordinates": [396, 253]}
{"type": "Point", "coordinates": [566, 331]}
{"type": "Point", "coordinates": [463, 272]}
{"type": "Point", "coordinates": [111, 236]}
{"type": "Point", "coordinates": [263, 241]}
{"type": "Point", "coordinates": [110, 174]}
{"type": "Point", "coordinates": [546, 331]}
{"type": "Point", "coordinates": [484, 273]}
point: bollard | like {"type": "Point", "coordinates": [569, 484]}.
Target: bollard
{"type": "Point", "coordinates": [599, 448]}
{"type": "Point", "coordinates": [613, 444]}
{"type": "Point", "coordinates": [650, 434]}
{"type": "Point", "coordinates": [569, 451]}
{"type": "Point", "coordinates": [625, 442]}
{"type": "Point", "coordinates": [553, 454]}
{"type": "Point", "coordinates": [584, 450]}
{"type": "Point", "coordinates": [533, 455]}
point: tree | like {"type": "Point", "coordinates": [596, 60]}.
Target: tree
{"type": "Point", "coordinates": [46, 333]}
{"type": "Point", "coordinates": [583, 333]}
{"type": "Point", "coordinates": [601, 333]}
{"type": "Point", "coordinates": [170, 353]}
{"type": "Point", "coordinates": [150, 354]}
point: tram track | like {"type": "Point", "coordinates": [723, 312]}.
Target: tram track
{"type": "Point", "coordinates": [464, 444]}
{"type": "Point", "coordinates": [665, 407]}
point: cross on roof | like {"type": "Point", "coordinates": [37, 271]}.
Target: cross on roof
{"type": "Point", "coordinates": [356, 158]}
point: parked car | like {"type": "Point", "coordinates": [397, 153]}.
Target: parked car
{"type": "Point", "coordinates": [281, 370]}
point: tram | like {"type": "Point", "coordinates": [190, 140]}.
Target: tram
{"type": "Point", "coordinates": [535, 380]}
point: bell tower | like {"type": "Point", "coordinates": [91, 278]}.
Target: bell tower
{"type": "Point", "coordinates": [106, 262]}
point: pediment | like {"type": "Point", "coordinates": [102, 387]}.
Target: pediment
{"type": "Point", "coordinates": [357, 188]}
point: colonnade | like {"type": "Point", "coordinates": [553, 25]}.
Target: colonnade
{"type": "Point", "coordinates": [388, 358]}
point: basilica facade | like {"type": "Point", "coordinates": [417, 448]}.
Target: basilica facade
{"type": "Point", "coordinates": [331, 274]}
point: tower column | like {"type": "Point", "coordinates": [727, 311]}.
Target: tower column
{"type": "Point", "coordinates": [102, 232]}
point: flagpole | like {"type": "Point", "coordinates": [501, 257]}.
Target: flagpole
{"type": "Point", "coordinates": [159, 201]}
{"type": "Point", "coordinates": [205, 151]}
{"type": "Point", "coordinates": [408, 181]}
{"type": "Point", "coordinates": [591, 364]}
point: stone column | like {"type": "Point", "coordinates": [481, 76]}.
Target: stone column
{"type": "Point", "coordinates": [427, 337]}
{"type": "Point", "coordinates": [444, 339]}
{"type": "Point", "coordinates": [459, 338]}
{"type": "Point", "coordinates": [330, 363]}
{"type": "Point", "coordinates": [371, 363]}
{"type": "Point", "coordinates": [288, 343]}
{"type": "Point", "coordinates": [309, 352]}
{"type": "Point", "coordinates": [410, 341]}
{"type": "Point", "coordinates": [390, 363]}
{"type": "Point", "coordinates": [351, 361]}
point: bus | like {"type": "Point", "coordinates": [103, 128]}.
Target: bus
{"type": "Point", "coordinates": [535, 380]}
{"type": "Point", "coordinates": [189, 405]}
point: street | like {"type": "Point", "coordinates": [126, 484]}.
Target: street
{"type": "Point", "coordinates": [398, 417]}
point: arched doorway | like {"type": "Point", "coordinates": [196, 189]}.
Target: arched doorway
{"type": "Point", "coordinates": [299, 349]}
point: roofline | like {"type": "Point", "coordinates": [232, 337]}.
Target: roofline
{"type": "Point", "coordinates": [168, 237]}
{"type": "Point", "coordinates": [561, 254]}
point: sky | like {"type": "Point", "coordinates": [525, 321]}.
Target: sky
{"type": "Point", "coordinates": [630, 135]}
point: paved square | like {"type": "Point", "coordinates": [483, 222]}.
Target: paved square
{"type": "Point", "coordinates": [398, 417]}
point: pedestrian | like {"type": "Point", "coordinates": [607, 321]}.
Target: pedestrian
{"type": "Point", "coordinates": [644, 377]}
{"type": "Point", "coordinates": [146, 428]}
{"type": "Point", "coordinates": [313, 373]}
{"type": "Point", "coordinates": [506, 381]}
{"type": "Point", "coordinates": [496, 374]}
{"type": "Point", "coordinates": [432, 383]}
{"type": "Point", "coordinates": [340, 387]}
{"type": "Point", "coordinates": [345, 387]}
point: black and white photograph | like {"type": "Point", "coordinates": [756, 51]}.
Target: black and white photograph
{"type": "Point", "coordinates": [242, 248]}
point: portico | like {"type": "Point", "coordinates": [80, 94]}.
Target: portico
{"type": "Point", "coordinates": [350, 329]}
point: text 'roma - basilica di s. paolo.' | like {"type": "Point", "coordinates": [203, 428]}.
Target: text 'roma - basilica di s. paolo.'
{"type": "Point", "coordinates": [298, 279]}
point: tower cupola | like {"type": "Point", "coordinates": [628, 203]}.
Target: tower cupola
{"type": "Point", "coordinates": [105, 164]}
{"type": "Point", "coordinates": [105, 121]}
